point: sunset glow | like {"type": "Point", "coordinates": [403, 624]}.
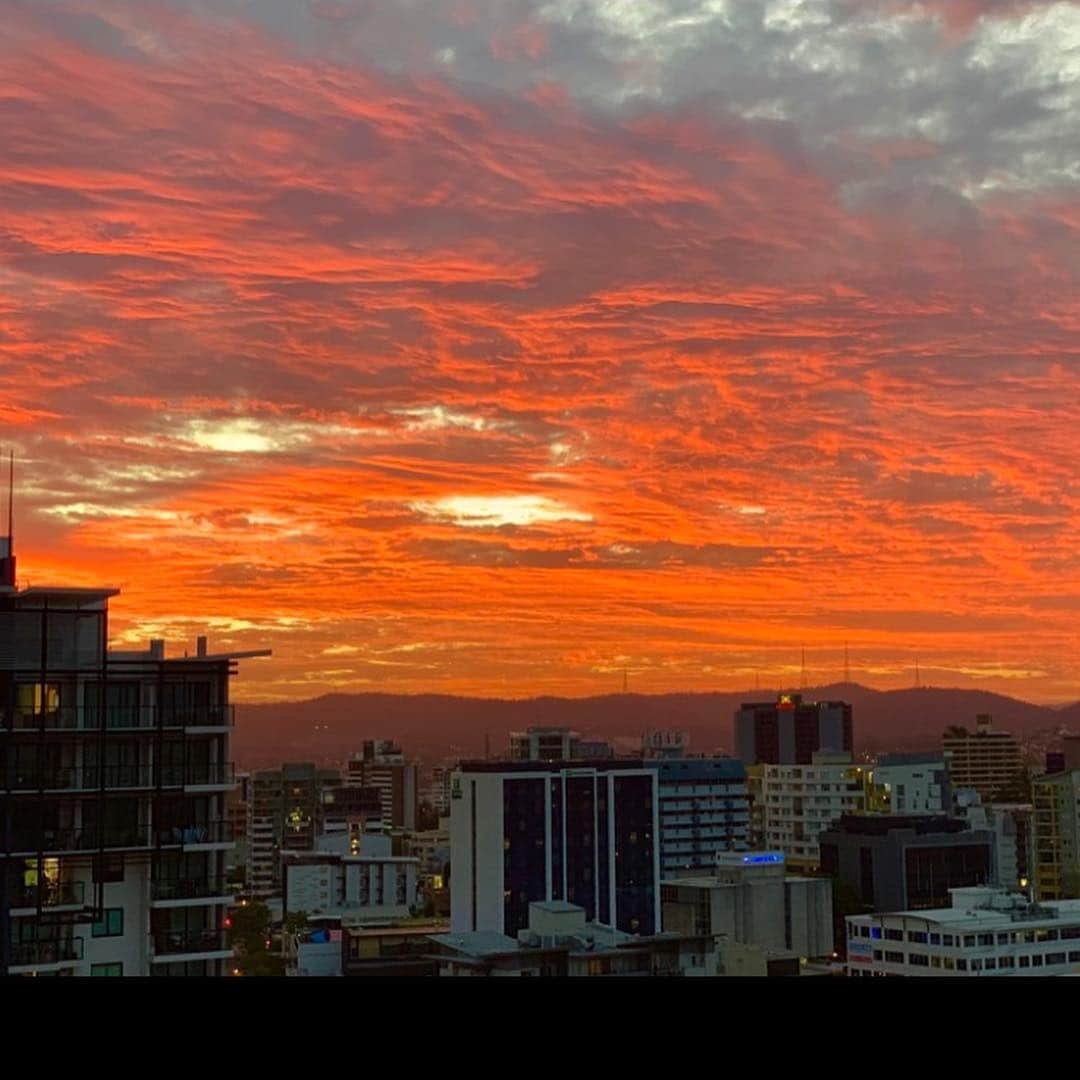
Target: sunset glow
{"type": "Point", "coordinates": [509, 347]}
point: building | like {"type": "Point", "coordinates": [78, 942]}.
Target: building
{"type": "Point", "coordinates": [985, 931]}
{"type": "Point", "coordinates": [789, 731]}
{"type": "Point", "coordinates": [285, 813]}
{"type": "Point", "coordinates": [114, 770]}
{"type": "Point", "coordinates": [987, 760]}
{"type": "Point", "coordinates": [382, 765]}
{"type": "Point", "coordinates": [751, 900]}
{"type": "Point", "coordinates": [896, 862]}
{"type": "Point", "coordinates": [373, 884]}
{"type": "Point", "coordinates": [800, 802]}
{"type": "Point", "coordinates": [1056, 835]}
{"type": "Point", "coordinates": [560, 941]}
{"type": "Point", "coordinates": [402, 949]}
{"type": "Point", "coordinates": [439, 790]}
{"type": "Point", "coordinates": [704, 809]}
{"type": "Point", "coordinates": [1012, 825]}
{"type": "Point", "coordinates": [236, 813]}
{"type": "Point", "coordinates": [544, 744]}
{"type": "Point", "coordinates": [916, 783]}
{"type": "Point", "coordinates": [525, 832]}
{"type": "Point", "coordinates": [665, 744]}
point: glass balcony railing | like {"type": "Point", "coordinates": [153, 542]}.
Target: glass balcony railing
{"type": "Point", "coordinates": [58, 841]}
{"type": "Point", "coordinates": [207, 832]}
{"type": "Point", "coordinates": [187, 889]}
{"type": "Point", "coordinates": [174, 942]}
{"type": "Point", "coordinates": [30, 953]}
{"type": "Point", "coordinates": [92, 718]}
{"type": "Point", "coordinates": [49, 894]}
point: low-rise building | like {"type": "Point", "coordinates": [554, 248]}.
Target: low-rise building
{"type": "Point", "coordinates": [911, 783]}
{"type": "Point", "coordinates": [752, 900]}
{"type": "Point", "coordinates": [984, 931]}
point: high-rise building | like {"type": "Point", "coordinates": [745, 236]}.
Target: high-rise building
{"type": "Point", "coordinates": [789, 731]}
{"type": "Point", "coordinates": [704, 809]}
{"type": "Point", "coordinates": [285, 813]}
{"type": "Point", "coordinates": [898, 862]}
{"type": "Point", "coordinates": [911, 783]}
{"type": "Point", "coordinates": [801, 802]}
{"type": "Point", "coordinates": [382, 765]}
{"type": "Point", "coordinates": [988, 760]}
{"type": "Point", "coordinates": [114, 771]}
{"type": "Point", "coordinates": [523, 832]}
{"type": "Point", "coordinates": [1056, 838]}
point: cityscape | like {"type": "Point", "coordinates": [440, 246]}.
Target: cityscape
{"type": "Point", "coordinates": [545, 488]}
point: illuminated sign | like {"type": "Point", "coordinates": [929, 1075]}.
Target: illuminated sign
{"type": "Point", "coordinates": [770, 857]}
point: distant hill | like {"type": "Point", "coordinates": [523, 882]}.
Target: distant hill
{"type": "Point", "coordinates": [434, 726]}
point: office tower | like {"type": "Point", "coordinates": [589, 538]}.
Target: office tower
{"type": "Point", "coordinates": [586, 833]}
{"type": "Point", "coordinates": [114, 770]}
{"type": "Point", "coordinates": [898, 862]}
{"type": "Point", "coordinates": [1056, 835]}
{"type": "Point", "coordinates": [989, 761]}
{"type": "Point", "coordinates": [802, 801]}
{"type": "Point", "coordinates": [789, 731]}
{"type": "Point", "coordinates": [984, 932]}
{"type": "Point", "coordinates": [911, 783]}
{"type": "Point", "coordinates": [285, 814]}
{"type": "Point", "coordinates": [751, 899]}
{"type": "Point", "coordinates": [704, 809]}
{"type": "Point", "coordinates": [382, 765]}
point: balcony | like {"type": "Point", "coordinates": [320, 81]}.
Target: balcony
{"type": "Point", "coordinates": [50, 895]}
{"type": "Point", "coordinates": [188, 944]}
{"type": "Point", "coordinates": [66, 841]}
{"type": "Point", "coordinates": [195, 836]}
{"type": "Point", "coordinates": [207, 717]}
{"type": "Point", "coordinates": [180, 891]}
{"type": "Point", "coordinates": [221, 774]}
{"type": "Point", "coordinates": [34, 954]}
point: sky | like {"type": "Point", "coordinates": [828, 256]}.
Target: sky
{"type": "Point", "coordinates": [511, 347]}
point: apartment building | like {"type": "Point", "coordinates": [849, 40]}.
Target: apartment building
{"type": "Point", "coordinates": [114, 773]}
{"type": "Point", "coordinates": [989, 760]}
{"type": "Point", "coordinates": [1056, 835]}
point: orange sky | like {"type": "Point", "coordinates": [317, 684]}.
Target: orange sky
{"type": "Point", "coordinates": [505, 347]}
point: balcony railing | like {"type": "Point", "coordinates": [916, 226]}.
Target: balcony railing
{"type": "Point", "coordinates": [197, 775]}
{"type": "Point", "coordinates": [172, 942]}
{"type": "Point", "coordinates": [187, 889]}
{"type": "Point", "coordinates": [50, 894]}
{"type": "Point", "coordinates": [30, 953]}
{"type": "Point", "coordinates": [58, 841]}
{"type": "Point", "coordinates": [209, 832]}
{"type": "Point", "coordinates": [93, 718]}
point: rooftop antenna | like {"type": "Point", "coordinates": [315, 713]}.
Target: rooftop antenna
{"type": "Point", "coordinates": [847, 664]}
{"type": "Point", "coordinates": [802, 677]}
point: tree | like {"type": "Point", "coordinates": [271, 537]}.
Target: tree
{"type": "Point", "coordinates": [249, 925]}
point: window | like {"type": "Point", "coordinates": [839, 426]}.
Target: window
{"type": "Point", "coordinates": [875, 932]}
{"type": "Point", "coordinates": [111, 925]}
{"type": "Point", "coordinates": [935, 961]}
{"type": "Point", "coordinates": [976, 965]}
{"type": "Point", "coordinates": [1007, 962]}
{"type": "Point", "coordinates": [969, 941]}
{"type": "Point", "coordinates": [918, 936]}
{"type": "Point", "coordinates": [935, 939]}
{"type": "Point", "coordinates": [1055, 958]}
{"type": "Point", "coordinates": [1070, 933]}
{"type": "Point", "coordinates": [864, 931]}
{"type": "Point", "coordinates": [877, 954]}
{"type": "Point", "coordinates": [894, 935]}
{"type": "Point", "coordinates": [950, 963]}
{"type": "Point", "coordinates": [1074, 958]}
{"type": "Point", "coordinates": [1036, 961]}
{"type": "Point", "coordinates": [894, 958]}
{"type": "Point", "coordinates": [108, 868]}
{"type": "Point", "coordinates": [107, 969]}
{"type": "Point", "coordinates": [991, 964]}
{"type": "Point", "coordinates": [919, 960]}
{"type": "Point", "coordinates": [986, 939]}
{"type": "Point", "coordinates": [961, 965]}
{"type": "Point", "coordinates": [1003, 939]}
{"type": "Point", "coordinates": [947, 939]}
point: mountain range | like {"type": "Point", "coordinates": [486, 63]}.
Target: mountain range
{"type": "Point", "coordinates": [434, 727]}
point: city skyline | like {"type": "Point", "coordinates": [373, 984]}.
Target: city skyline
{"type": "Point", "coordinates": [521, 348]}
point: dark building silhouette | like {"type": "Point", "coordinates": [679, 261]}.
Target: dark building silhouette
{"type": "Point", "coordinates": [789, 731]}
